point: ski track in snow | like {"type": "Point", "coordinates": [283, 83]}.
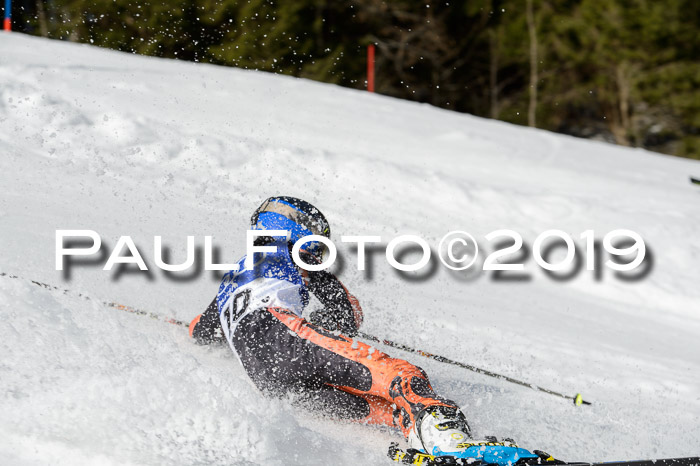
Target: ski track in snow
{"type": "Point", "coordinates": [130, 145]}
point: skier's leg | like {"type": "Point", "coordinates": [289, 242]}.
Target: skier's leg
{"type": "Point", "coordinates": [307, 353]}
{"type": "Point", "coordinates": [332, 402]}
{"type": "Point", "coordinates": [286, 352]}
{"type": "Point", "coordinates": [364, 409]}
{"type": "Point", "coordinates": [381, 412]}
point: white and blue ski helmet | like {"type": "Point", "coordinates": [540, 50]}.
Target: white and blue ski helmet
{"type": "Point", "coordinates": [296, 216]}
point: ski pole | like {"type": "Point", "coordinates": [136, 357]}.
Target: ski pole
{"type": "Point", "coordinates": [114, 305]}
{"type": "Point", "coordinates": [577, 399]}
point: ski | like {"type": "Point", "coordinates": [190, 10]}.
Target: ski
{"type": "Point", "coordinates": [415, 457]}
{"type": "Point", "coordinates": [694, 180]}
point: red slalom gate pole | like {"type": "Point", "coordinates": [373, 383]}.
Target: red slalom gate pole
{"type": "Point", "coordinates": [7, 24]}
{"type": "Point", "coordinates": [370, 67]}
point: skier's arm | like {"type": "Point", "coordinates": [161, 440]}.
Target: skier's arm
{"type": "Point", "coordinates": [341, 311]}
{"type": "Point", "coordinates": [205, 327]}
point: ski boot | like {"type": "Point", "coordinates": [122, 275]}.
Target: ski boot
{"type": "Point", "coordinates": [443, 432]}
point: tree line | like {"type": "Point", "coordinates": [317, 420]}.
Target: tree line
{"type": "Point", "coordinates": [624, 71]}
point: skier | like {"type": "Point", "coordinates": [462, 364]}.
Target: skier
{"type": "Point", "coordinates": [259, 313]}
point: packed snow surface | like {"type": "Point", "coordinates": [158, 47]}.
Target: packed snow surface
{"type": "Point", "coordinates": [129, 145]}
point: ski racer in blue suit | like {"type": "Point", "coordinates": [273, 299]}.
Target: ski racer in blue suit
{"type": "Point", "coordinates": [258, 312]}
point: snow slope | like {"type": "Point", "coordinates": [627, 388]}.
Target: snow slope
{"type": "Point", "coordinates": [129, 145]}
